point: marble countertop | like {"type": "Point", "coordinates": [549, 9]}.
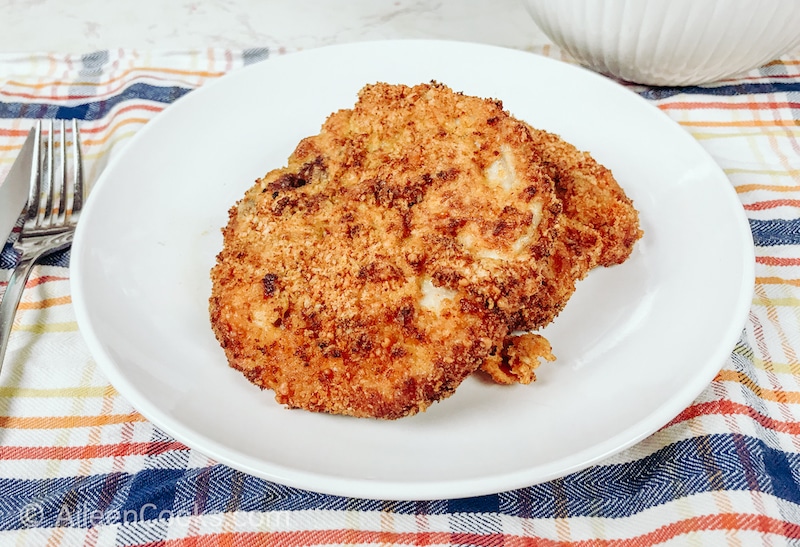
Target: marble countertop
{"type": "Point", "coordinates": [86, 25]}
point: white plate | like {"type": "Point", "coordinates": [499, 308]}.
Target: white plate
{"type": "Point", "coordinates": [635, 345]}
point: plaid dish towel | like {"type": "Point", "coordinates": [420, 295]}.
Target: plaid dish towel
{"type": "Point", "coordinates": [78, 465]}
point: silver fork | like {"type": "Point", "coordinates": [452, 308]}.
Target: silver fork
{"type": "Point", "coordinates": [54, 205]}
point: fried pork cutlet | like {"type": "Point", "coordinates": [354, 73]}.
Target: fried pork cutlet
{"type": "Point", "coordinates": [598, 227]}
{"type": "Point", "coordinates": [378, 269]}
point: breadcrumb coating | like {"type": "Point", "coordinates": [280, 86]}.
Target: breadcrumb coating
{"type": "Point", "coordinates": [599, 227]}
{"type": "Point", "coordinates": [382, 265]}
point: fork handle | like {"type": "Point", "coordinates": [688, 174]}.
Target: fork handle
{"type": "Point", "coordinates": [11, 299]}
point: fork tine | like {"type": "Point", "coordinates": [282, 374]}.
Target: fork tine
{"type": "Point", "coordinates": [78, 189]}
{"type": "Point", "coordinates": [60, 189]}
{"type": "Point", "coordinates": [32, 209]}
{"type": "Point", "coordinates": [46, 197]}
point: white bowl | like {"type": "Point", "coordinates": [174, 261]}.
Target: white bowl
{"type": "Point", "coordinates": [670, 42]}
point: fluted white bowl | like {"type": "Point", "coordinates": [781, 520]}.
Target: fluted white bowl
{"type": "Point", "coordinates": [670, 42]}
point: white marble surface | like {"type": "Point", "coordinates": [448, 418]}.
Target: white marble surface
{"type": "Point", "coordinates": [77, 26]}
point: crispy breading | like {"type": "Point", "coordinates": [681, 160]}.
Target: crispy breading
{"type": "Point", "coordinates": [590, 195]}
{"type": "Point", "coordinates": [379, 268]}
{"type": "Point", "coordinates": [599, 227]}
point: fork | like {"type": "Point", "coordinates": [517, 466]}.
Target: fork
{"type": "Point", "coordinates": [51, 214]}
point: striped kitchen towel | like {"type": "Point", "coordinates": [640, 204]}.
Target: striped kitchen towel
{"type": "Point", "coordinates": [79, 465]}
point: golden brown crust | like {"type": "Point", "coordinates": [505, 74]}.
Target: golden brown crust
{"type": "Point", "coordinates": [378, 269]}
{"type": "Point", "coordinates": [591, 196]}
{"type": "Point", "coordinates": [599, 227]}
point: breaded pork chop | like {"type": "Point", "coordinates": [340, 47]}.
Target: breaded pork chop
{"type": "Point", "coordinates": [377, 270]}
